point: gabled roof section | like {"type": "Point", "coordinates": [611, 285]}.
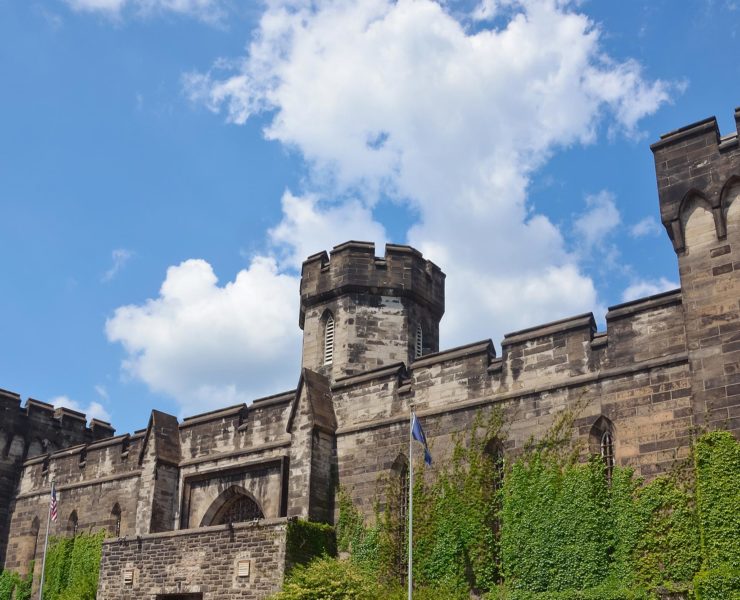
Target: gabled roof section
{"type": "Point", "coordinates": [318, 395]}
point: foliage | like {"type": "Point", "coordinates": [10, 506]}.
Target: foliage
{"type": "Point", "coordinates": [557, 528]}
{"type": "Point", "coordinates": [329, 579]}
{"type": "Point", "coordinates": [15, 587]}
{"type": "Point", "coordinates": [718, 584]}
{"type": "Point", "coordinates": [306, 540]}
{"type": "Point", "coordinates": [599, 593]}
{"type": "Point", "coordinates": [717, 458]}
{"type": "Point", "coordinates": [72, 567]}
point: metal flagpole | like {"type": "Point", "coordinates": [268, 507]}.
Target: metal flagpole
{"type": "Point", "coordinates": [411, 505]}
{"type": "Point", "coordinates": [46, 545]}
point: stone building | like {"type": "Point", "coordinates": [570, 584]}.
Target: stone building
{"type": "Point", "coordinates": [198, 508]}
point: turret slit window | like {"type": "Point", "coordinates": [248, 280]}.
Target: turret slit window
{"type": "Point", "coordinates": [329, 340]}
{"type": "Point", "coordinates": [419, 346]}
{"type": "Point", "coordinates": [607, 453]}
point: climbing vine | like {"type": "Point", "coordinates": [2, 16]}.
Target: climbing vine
{"type": "Point", "coordinates": [72, 567]}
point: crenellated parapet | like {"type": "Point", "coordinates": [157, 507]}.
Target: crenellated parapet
{"type": "Point", "coordinates": [353, 267]}
{"type": "Point", "coordinates": [696, 163]}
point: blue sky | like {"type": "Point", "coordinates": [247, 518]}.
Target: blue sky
{"type": "Point", "coordinates": [166, 164]}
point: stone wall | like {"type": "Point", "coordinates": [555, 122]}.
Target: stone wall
{"type": "Point", "coordinates": [698, 174]}
{"type": "Point", "coordinates": [35, 429]}
{"type": "Point", "coordinates": [199, 561]}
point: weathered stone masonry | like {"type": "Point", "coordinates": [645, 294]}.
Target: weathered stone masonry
{"type": "Point", "coordinates": [186, 503]}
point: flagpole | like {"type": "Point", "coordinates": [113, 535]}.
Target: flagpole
{"type": "Point", "coordinates": [411, 505]}
{"type": "Point", "coordinates": [46, 545]}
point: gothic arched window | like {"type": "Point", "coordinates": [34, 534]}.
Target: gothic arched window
{"type": "Point", "coordinates": [329, 339]}
{"type": "Point", "coordinates": [419, 342]}
{"type": "Point", "coordinates": [398, 504]}
{"type": "Point", "coordinates": [601, 442]}
{"type": "Point", "coordinates": [35, 527]}
{"type": "Point", "coordinates": [115, 516]}
{"type": "Point", "coordinates": [234, 505]}
{"type": "Point", "coordinates": [72, 523]}
{"type": "Point", "coordinates": [607, 453]}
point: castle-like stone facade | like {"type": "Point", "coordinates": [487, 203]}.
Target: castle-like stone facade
{"type": "Point", "coordinates": [198, 508]}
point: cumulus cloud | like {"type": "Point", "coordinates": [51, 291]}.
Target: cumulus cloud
{"type": "Point", "coordinates": [398, 100]}
{"type": "Point", "coordinates": [642, 288]}
{"type": "Point", "coordinates": [205, 10]}
{"type": "Point", "coordinates": [120, 257]}
{"type": "Point", "coordinates": [645, 227]}
{"type": "Point", "coordinates": [93, 410]}
{"type": "Point", "coordinates": [210, 345]}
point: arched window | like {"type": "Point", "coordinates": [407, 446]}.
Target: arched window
{"type": "Point", "coordinates": [419, 342]}
{"type": "Point", "coordinates": [607, 453]}
{"type": "Point", "coordinates": [115, 516]}
{"type": "Point", "coordinates": [329, 339]}
{"type": "Point", "coordinates": [398, 505]}
{"type": "Point", "coordinates": [494, 450]}
{"type": "Point", "coordinates": [601, 443]}
{"type": "Point", "coordinates": [235, 505]}
{"type": "Point", "coordinates": [35, 527]}
{"type": "Point", "coordinates": [83, 458]}
{"type": "Point", "coordinates": [72, 523]}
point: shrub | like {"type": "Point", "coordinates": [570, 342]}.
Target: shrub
{"type": "Point", "coordinates": [329, 579]}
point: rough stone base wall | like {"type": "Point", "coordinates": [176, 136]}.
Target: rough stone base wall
{"type": "Point", "coordinates": [196, 561]}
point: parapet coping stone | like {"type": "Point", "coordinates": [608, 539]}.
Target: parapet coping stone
{"type": "Point", "coordinates": [579, 380]}
{"type": "Point", "coordinates": [275, 398]}
{"type": "Point", "coordinates": [261, 523]}
{"type": "Point", "coordinates": [9, 394]}
{"type": "Point", "coordinates": [212, 415]}
{"type": "Point", "coordinates": [632, 307]}
{"type": "Point", "coordinates": [582, 321]}
{"type": "Point", "coordinates": [392, 369]}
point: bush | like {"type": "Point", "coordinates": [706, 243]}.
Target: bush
{"type": "Point", "coordinates": [14, 587]}
{"type": "Point", "coordinates": [329, 579]}
{"type": "Point", "coordinates": [718, 584]}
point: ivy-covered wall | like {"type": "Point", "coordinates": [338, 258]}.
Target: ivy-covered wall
{"type": "Point", "coordinates": [559, 527]}
{"type": "Point", "coordinates": [72, 567]}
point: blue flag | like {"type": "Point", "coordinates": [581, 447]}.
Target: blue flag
{"type": "Point", "coordinates": [418, 434]}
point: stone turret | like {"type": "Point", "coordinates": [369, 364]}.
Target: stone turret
{"type": "Point", "coordinates": [698, 173]}
{"type": "Point", "coordinates": [360, 311]}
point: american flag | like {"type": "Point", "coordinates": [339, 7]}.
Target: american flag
{"type": "Point", "coordinates": [53, 505]}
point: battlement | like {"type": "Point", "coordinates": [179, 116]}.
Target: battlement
{"type": "Point", "coordinates": [40, 419]}
{"type": "Point", "coordinates": [696, 162]}
{"type": "Point", "coordinates": [353, 267]}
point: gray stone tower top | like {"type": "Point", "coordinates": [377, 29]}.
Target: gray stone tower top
{"type": "Point", "coordinates": [359, 311]}
{"type": "Point", "coordinates": [698, 173]}
{"type": "Point", "coordinates": [696, 164]}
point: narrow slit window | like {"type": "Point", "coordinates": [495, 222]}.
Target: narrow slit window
{"type": "Point", "coordinates": [419, 347]}
{"type": "Point", "coordinates": [329, 340]}
{"type": "Point", "coordinates": [607, 453]}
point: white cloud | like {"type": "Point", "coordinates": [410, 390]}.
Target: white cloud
{"type": "Point", "coordinates": [93, 410]}
{"type": "Point", "coordinates": [601, 218]}
{"type": "Point", "coordinates": [398, 97]}
{"type": "Point", "coordinates": [648, 226]}
{"type": "Point", "coordinates": [309, 226]}
{"type": "Point", "coordinates": [395, 99]}
{"type": "Point", "coordinates": [101, 391]}
{"type": "Point", "coordinates": [120, 257]}
{"type": "Point", "coordinates": [642, 288]}
{"type": "Point", "coordinates": [210, 345]}
{"type": "Point", "coordinates": [207, 10]}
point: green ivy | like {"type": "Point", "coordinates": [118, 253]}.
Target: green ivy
{"type": "Point", "coordinates": [73, 566]}
{"type": "Point", "coordinates": [15, 587]}
{"type": "Point", "coordinates": [306, 540]}
{"type": "Point", "coordinates": [717, 458]}
{"type": "Point", "coordinates": [718, 584]}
